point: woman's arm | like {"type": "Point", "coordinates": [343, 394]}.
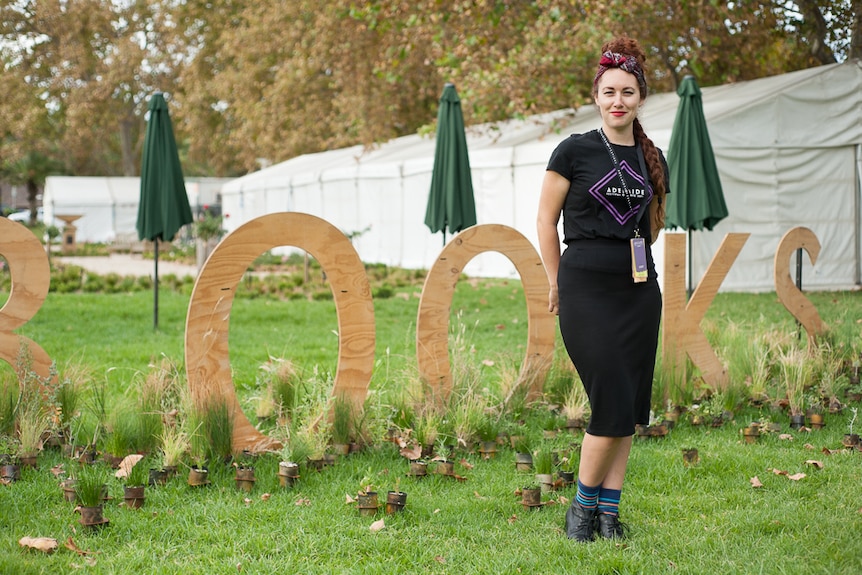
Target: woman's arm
{"type": "Point", "coordinates": [554, 190]}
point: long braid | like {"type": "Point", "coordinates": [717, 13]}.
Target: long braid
{"type": "Point", "coordinates": [654, 165]}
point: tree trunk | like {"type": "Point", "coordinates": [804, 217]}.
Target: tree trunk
{"type": "Point", "coordinates": [818, 30]}
{"type": "Point", "coordinates": [32, 195]}
{"type": "Point", "coordinates": [856, 31]}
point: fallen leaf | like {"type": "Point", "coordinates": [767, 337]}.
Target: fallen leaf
{"type": "Point", "coordinates": [436, 511]}
{"type": "Point", "coordinates": [827, 451]}
{"type": "Point", "coordinates": [126, 465]}
{"type": "Point", "coordinates": [478, 496]}
{"type": "Point", "coordinates": [487, 363]}
{"type": "Point", "coordinates": [377, 526]}
{"type": "Point", "coordinates": [70, 545]}
{"type": "Point", "coordinates": [413, 451]}
{"type": "Point", "coordinates": [58, 470]}
{"type": "Point", "coordinates": [796, 476]}
{"type": "Point", "coordinates": [755, 482]}
{"type": "Point", "coordinates": [779, 472]}
{"type": "Point", "coordinates": [786, 437]}
{"type": "Point", "coordinates": [247, 501]}
{"type": "Point", "coordinates": [815, 463]}
{"type": "Point", "coordinates": [348, 499]}
{"type": "Point", "coordinates": [809, 446]}
{"type": "Point", "coordinates": [564, 500]}
{"type": "Point", "coordinates": [440, 559]}
{"type": "Point", "coordinates": [465, 464]}
{"type": "Point", "coordinates": [512, 519]}
{"type": "Point", "coordinates": [305, 502]}
{"type": "Point", "coordinates": [44, 544]}
{"type": "Point", "coordinates": [265, 497]}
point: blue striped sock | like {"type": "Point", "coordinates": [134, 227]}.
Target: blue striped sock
{"type": "Point", "coordinates": [587, 497]}
{"type": "Point", "coordinates": [609, 501]}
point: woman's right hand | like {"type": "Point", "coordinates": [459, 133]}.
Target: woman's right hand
{"type": "Point", "coordinates": [554, 301]}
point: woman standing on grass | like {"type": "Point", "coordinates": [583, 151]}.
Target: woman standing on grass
{"type": "Point", "coordinates": [604, 286]}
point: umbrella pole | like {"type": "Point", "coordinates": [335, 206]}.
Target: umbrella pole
{"type": "Point", "coordinates": [690, 283]}
{"type": "Point", "coordinates": [156, 285]}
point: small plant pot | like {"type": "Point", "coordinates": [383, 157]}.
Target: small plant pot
{"type": "Point", "coordinates": [288, 473]}
{"type": "Point", "coordinates": [418, 468]}
{"type": "Point", "coordinates": [488, 449]}
{"type": "Point", "coordinates": [427, 450]}
{"type": "Point", "coordinates": [690, 456]}
{"type": "Point", "coordinates": [133, 496]}
{"type": "Point", "coordinates": [198, 476]}
{"type": "Point", "coordinates": [113, 461]}
{"type": "Point", "coordinates": [88, 456]}
{"type": "Point", "coordinates": [158, 477]}
{"type": "Point", "coordinates": [245, 478]}
{"type": "Point", "coordinates": [850, 440]}
{"type": "Point", "coordinates": [575, 424]}
{"type": "Point", "coordinates": [545, 481]}
{"type": "Point", "coordinates": [10, 472]}
{"type": "Point", "coordinates": [341, 449]}
{"type": "Point", "coordinates": [797, 421]}
{"type": "Point", "coordinates": [395, 501]}
{"type": "Point", "coordinates": [92, 517]}
{"type": "Point", "coordinates": [367, 503]}
{"type": "Point", "coordinates": [317, 464]}
{"type": "Point", "coordinates": [531, 497]}
{"type": "Point", "coordinates": [816, 421]}
{"type": "Point", "coordinates": [514, 440]}
{"type": "Point", "coordinates": [751, 433]}
{"type": "Point", "coordinates": [329, 459]}
{"type": "Point", "coordinates": [30, 460]}
{"type": "Point", "coordinates": [67, 486]}
{"type": "Point", "coordinates": [549, 433]}
{"type": "Point", "coordinates": [446, 468]}
{"type": "Point", "coordinates": [567, 477]}
{"type": "Point", "coordinates": [523, 461]}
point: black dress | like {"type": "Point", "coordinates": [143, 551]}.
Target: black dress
{"type": "Point", "coordinates": [609, 323]}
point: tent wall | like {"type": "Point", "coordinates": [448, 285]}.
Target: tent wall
{"type": "Point", "coordinates": [787, 149]}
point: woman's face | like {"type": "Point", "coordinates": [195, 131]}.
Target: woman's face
{"type": "Point", "coordinates": [618, 98]}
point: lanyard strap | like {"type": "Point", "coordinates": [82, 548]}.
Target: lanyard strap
{"type": "Point", "coordinates": [628, 194]}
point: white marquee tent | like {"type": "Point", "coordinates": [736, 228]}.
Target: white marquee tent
{"type": "Point", "coordinates": [788, 149]}
{"type": "Point", "coordinates": [109, 205]}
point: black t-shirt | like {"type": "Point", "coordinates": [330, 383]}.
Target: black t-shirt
{"type": "Point", "coordinates": [596, 205]}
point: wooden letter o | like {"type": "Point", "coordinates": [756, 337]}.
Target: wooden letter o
{"type": "Point", "coordinates": [432, 324]}
{"type": "Point", "coordinates": [206, 340]}
{"type": "Point", "coordinates": [31, 277]}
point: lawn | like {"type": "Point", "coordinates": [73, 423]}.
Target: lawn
{"type": "Point", "coordinates": [702, 518]}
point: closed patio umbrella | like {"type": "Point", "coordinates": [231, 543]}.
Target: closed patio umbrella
{"type": "Point", "coordinates": [164, 205]}
{"type": "Point", "coordinates": [450, 203]}
{"type": "Point", "coordinates": [697, 200]}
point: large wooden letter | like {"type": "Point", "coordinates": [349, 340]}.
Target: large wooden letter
{"type": "Point", "coordinates": [432, 324]}
{"type": "Point", "coordinates": [790, 295]}
{"type": "Point", "coordinates": [206, 342]}
{"type": "Point", "coordinates": [681, 333]}
{"type": "Point", "coordinates": [31, 277]}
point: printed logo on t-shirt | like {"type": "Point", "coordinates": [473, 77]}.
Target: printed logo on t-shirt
{"type": "Point", "coordinates": [610, 193]}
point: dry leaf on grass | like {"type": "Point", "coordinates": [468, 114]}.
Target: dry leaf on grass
{"type": "Point", "coordinates": [413, 451]}
{"type": "Point", "coordinates": [440, 559]}
{"type": "Point", "coordinates": [786, 437]}
{"type": "Point", "coordinates": [377, 526]}
{"type": "Point", "coordinates": [809, 446]}
{"type": "Point", "coordinates": [70, 545]}
{"type": "Point", "coordinates": [265, 497]}
{"type": "Point", "coordinates": [126, 465]}
{"type": "Point", "coordinates": [348, 499]}
{"type": "Point", "coordinates": [796, 476]}
{"type": "Point", "coordinates": [755, 482]}
{"type": "Point", "coordinates": [247, 501]}
{"type": "Point", "coordinates": [477, 495]}
{"type": "Point", "coordinates": [305, 502]}
{"type": "Point", "coordinates": [512, 519]}
{"type": "Point", "coordinates": [465, 464]}
{"type": "Point", "coordinates": [44, 544]}
{"type": "Point", "coordinates": [58, 470]}
{"type": "Point", "coordinates": [779, 472]}
{"type": "Point", "coordinates": [814, 463]}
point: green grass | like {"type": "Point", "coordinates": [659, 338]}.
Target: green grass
{"type": "Point", "coordinates": [701, 519]}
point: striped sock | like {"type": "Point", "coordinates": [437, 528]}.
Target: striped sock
{"type": "Point", "coordinates": [609, 501]}
{"type": "Point", "coordinates": [587, 497]}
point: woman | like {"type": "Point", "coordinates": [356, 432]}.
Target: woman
{"type": "Point", "coordinates": [604, 287]}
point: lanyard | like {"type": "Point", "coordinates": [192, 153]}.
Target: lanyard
{"type": "Point", "coordinates": [628, 194]}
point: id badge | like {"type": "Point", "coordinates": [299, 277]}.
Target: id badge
{"type": "Point", "coordinates": [639, 260]}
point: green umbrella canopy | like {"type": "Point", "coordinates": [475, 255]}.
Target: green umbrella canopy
{"type": "Point", "coordinates": [450, 203]}
{"type": "Point", "coordinates": [697, 201]}
{"type": "Point", "coordinates": [164, 204]}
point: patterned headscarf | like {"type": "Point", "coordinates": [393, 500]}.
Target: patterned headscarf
{"type": "Point", "coordinates": [623, 62]}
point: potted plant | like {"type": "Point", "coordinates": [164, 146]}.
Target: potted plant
{"type": "Point", "coordinates": [531, 497]}
{"type": "Point", "coordinates": [395, 500]}
{"type": "Point", "coordinates": [487, 432]}
{"type": "Point", "coordinates": [244, 477]}
{"type": "Point", "coordinates": [32, 425]}
{"type": "Point", "coordinates": [851, 440]}
{"type": "Point", "coordinates": [576, 407]}
{"type": "Point", "coordinates": [135, 482]}
{"type": "Point", "coordinates": [90, 493]}
{"type": "Point", "coordinates": [523, 456]}
{"type": "Point", "coordinates": [543, 463]}
{"type": "Point", "coordinates": [174, 445]}
{"type": "Point", "coordinates": [428, 430]}
{"type": "Point", "coordinates": [795, 372]}
{"type": "Point", "coordinates": [342, 423]}
{"type": "Point", "coordinates": [751, 432]}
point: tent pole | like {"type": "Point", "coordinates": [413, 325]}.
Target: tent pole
{"type": "Point", "coordinates": [690, 283]}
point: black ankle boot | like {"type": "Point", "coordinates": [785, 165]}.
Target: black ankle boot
{"type": "Point", "coordinates": [580, 522]}
{"type": "Point", "coordinates": [609, 526]}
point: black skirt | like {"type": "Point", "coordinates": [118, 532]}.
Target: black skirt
{"type": "Point", "coordinates": [610, 329]}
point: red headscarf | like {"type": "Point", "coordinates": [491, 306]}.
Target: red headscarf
{"type": "Point", "coordinates": [629, 64]}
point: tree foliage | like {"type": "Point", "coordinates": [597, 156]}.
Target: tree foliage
{"type": "Point", "coordinates": [250, 82]}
